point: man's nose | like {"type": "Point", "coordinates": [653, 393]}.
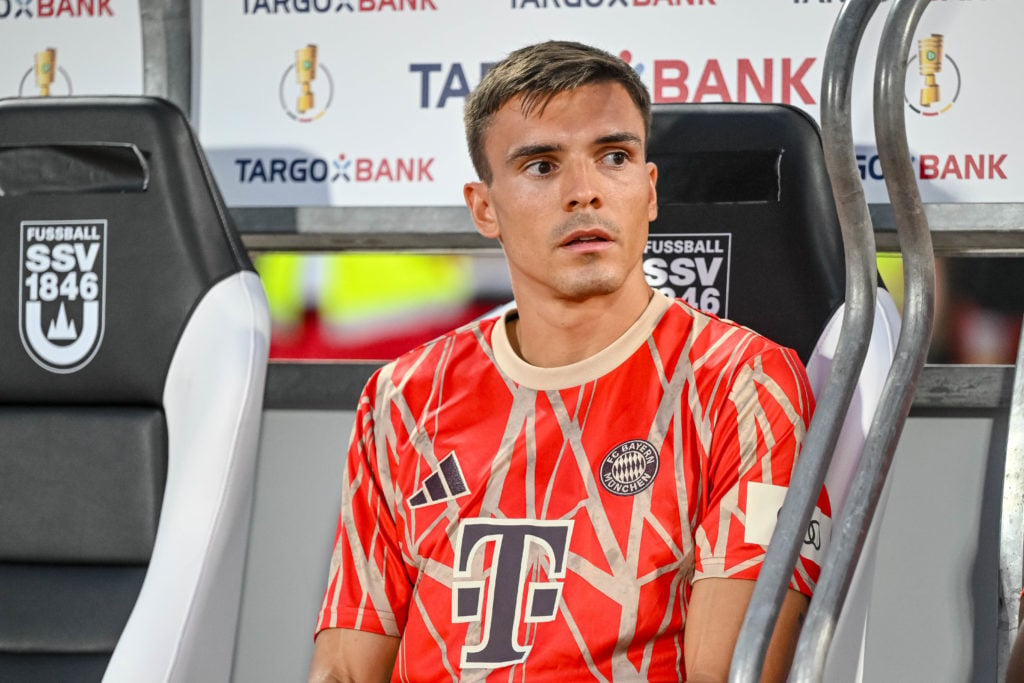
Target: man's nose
{"type": "Point", "coordinates": [582, 187]}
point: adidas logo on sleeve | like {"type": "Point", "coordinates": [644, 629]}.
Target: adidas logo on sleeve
{"type": "Point", "coordinates": [445, 483]}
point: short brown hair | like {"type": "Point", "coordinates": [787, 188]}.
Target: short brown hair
{"type": "Point", "coordinates": [538, 73]}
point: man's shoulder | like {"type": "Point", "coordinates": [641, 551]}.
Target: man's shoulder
{"type": "Point", "coordinates": [468, 344]}
{"type": "Point", "coordinates": [714, 337]}
{"type": "Point", "coordinates": [724, 354]}
{"type": "Point", "coordinates": [464, 338]}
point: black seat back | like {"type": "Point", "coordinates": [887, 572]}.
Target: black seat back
{"type": "Point", "coordinates": [747, 228]}
{"type": "Point", "coordinates": [111, 233]}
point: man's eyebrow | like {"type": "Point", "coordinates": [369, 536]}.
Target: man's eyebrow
{"type": "Point", "coordinates": [619, 137]}
{"type": "Point", "coordinates": [531, 150]}
{"type": "Point", "coordinates": [534, 150]}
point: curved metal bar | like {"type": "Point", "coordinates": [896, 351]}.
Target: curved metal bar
{"type": "Point", "coordinates": [1011, 526]}
{"type": "Point", "coordinates": [167, 51]}
{"type": "Point", "coordinates": [855, 336]}
{"type": "Point", "coordinates": [915, 335]}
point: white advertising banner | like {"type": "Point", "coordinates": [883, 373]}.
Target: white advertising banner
{"type": "Point", "coordinates": [70, 47]}
{"type": "Point", "coordinates": [359, 102]}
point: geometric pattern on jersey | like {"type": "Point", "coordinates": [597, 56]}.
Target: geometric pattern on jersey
{"type": "Point", "coordinates": [516, 560]}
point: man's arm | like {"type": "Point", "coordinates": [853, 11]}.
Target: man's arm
{"type": "Point", "coordinates": [713, 621]}
{"type": "Point", "coordinates": [1015, 666]}
{"type": "Point", "coordinates": [343, 655]}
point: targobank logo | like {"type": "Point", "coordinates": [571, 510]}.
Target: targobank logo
{"type": "Point", "coordinates": [61, 292]}
{"type": "Point", "coordinates": [296, 91]}
{"type": "Point", "coordinates": [300, 170]}
{"type": "Point", "coordinates": [50, 79]}
{"type": "Point", "coordinates": [456, 85]}
{"type": "Point", "coordinates": [54, 9]}
{"type": "Point", "coordinates": [970, 166]}
{"type": "Point", "coordinates": [333, 6]}
{"type": "Point", "coordinates": [558, 4]}
{"type": "Point", "coordinates": [768, 79]}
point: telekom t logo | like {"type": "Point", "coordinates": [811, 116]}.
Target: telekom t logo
{"type": "Point", "coordinates": [513, 541]}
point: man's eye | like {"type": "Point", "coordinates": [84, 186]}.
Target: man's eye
{"type": "Point", "coordinates": [616, 158]}
{"type": "Point", "coordinates": [539, 167]}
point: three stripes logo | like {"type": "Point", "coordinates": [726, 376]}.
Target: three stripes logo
{"type": "Point", "coordinates": [445, 483]}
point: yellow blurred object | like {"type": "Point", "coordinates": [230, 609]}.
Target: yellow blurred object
{"type": "Point", "coordinates": [890, 267]}
{"type": "Point", "coordinates": [367, 293]}
{"type": "Point", "coordinates": [362, 296]}
{"type": "Point", "coordinates": [284, 284]}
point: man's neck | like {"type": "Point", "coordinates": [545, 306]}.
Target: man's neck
{"type": "Point", "coordinates": [553, 333]}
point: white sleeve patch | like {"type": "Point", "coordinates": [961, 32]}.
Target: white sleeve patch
{"type": "Point", "coordinates": [763, 504]}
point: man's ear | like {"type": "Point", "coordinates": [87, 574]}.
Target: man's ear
{"type": "Point", "coordinates": [652, 202]}
{"type": "Point", "coordinates": [478, 199]}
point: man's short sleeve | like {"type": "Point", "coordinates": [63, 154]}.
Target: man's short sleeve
{"type": "Point", "coordinates": [759, 431]}
{"type": "Point", "coordinates": [369, 587]}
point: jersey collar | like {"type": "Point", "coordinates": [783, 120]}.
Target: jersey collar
{"type": "Point", "coordinates": [581, 372]}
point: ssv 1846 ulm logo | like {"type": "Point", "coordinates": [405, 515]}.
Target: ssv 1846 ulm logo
{"type": "Point", "coordinates": [61, 296]}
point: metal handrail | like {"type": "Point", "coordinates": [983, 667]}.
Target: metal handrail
{"type": "Point", "coordinates": [854, 339]}
{"type": "Point", "coordinates": [849, 536]}
{"type": "Point", "coordinates": [1011, 534]}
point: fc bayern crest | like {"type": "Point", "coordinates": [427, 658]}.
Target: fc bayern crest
{"type": "Point", "coordinates": [61, 293]}
{"type": "Point", "coordinates": [629, 468]}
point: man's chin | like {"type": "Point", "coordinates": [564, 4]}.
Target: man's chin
{"type": "Point", "coordinates": [589, 288]}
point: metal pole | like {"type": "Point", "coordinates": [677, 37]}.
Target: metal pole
{"type": "Point", "coordinates": [855, 335]}
{"type": "Point", "coordinates": [1011, 528]}
{"type": "Point", "coordinates": [915, 336]}
{"type": "Point", "coordinates": [167, 51]}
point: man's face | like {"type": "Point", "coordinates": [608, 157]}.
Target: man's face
{"type": "Point", "coordinates": [571, 194]}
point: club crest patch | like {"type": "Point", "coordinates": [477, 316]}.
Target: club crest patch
{"type": "Point", "coordinates": [629, 468]}
{"type": "Point", "coordinates": [62, 265]}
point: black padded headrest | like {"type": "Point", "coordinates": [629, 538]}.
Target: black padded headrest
{"type": "Point", "coordinates": [747, 226]}
{"type": "Point", "coordinates": [108, 201]}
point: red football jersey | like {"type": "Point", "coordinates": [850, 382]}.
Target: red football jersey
{"type": "Point", "coordinates": [512, 523]}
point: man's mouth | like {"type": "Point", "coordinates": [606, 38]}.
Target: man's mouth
{"type": "Point", "coordinates": [587, 243]}
{"type": "Point", "coordinates": [587, 238]}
